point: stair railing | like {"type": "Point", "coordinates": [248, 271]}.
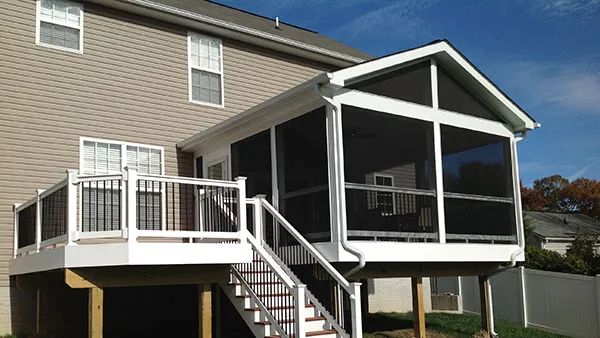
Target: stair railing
{"type": "Point", "coordinates": [325, 286]}
{"type": "Point", "coordinates": [279, 298]}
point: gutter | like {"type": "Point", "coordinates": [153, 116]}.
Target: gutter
{"type": "Point", "coordinates": [343, 238]}
{"type": "Point", "coordinates": [245, 30]}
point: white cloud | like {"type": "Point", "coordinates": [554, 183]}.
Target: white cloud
{"type": "Point", "coordinates": [388, 23]}
{"type": "Point", "coordinates": [567, 7]}
{"type": "Point", "coordinates": [572, 87]}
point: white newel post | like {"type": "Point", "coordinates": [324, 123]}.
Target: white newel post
{"type": "Point", "coordinates": [241, 182]}
{"type": "Point", "coordinates": [299, 314]}
{"type": "Point", "coordinates": [38, 219]}
{"type": "Point", "coordinates": [259, 227]}
{"type": "Point", "coordinates": [131, 204]}
{"type": "Point", "coordinates": [71, 206]}
{"type": "Point", "coordinates": [356, 311]}
{"type": "Point", "coordinates": [16, 230]}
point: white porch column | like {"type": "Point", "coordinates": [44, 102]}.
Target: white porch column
{"type": "Point", "coordinates": [335, 169]}
{"type": "Point", "coordinates": [16, 230]}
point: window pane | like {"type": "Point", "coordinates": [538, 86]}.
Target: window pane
{"type": "Point", "coordinates": [206, 87]}
{"type": "Point", "coordinates": [476, 163]}
{"type": "Point", "coordinates": [302, 174]}
{"type": "Point", "coordinates": [59, 35]}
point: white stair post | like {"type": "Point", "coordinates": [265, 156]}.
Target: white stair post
{"type": "Point", "coordinates": [16, 230]}
{"type": "Point", "coordinates": [132, 180]}
{"type": "Point", "coordinates": [38, 219]}
{"type": "Point", "coordinates": [259, 227]}
{"type": "Point", "coordinates": [71, 206]}
{"type": "Point", "coordinates": [299, 314]}
{"type": "Point", "coordinates": [243, 226]}
{"type": "Point", "coordinates": [356, 311]}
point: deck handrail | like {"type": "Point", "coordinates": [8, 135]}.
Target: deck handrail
{"type": "Point", "coordinates": [55, 215]}
{"type": "Point", "coordinates": [352, 289]}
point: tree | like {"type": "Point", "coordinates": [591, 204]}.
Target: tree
{"type": "Point", "coordinates": [550, 187]}
{"type": "Point", "coordinates": [581, 195]}
{"type": "Point", "coordinates": [532, 199]}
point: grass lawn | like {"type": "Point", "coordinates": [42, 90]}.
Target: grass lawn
{"type": "Point", "coordinates": [439, 325]}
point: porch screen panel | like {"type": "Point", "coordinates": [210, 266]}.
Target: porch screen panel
{"type": "Point", "coordinates": [302, 174]}
{"type": "Point", "coordinates": [412, 84]}
{"type": "Point", "coordinates": [478, 194]}
{"type": "Point", "coordinates": [390, 177]}
{"type": "Point", "coordinates": [251, 157]}
{"type": "Point", "coordinates": [455, 96]}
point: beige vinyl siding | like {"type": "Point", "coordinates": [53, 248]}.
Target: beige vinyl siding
{"type": "Point", "coordinates": [130, 84]}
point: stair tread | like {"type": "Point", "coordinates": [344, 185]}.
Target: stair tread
{"type": "Point", "coordinates": [308, 319]}
{"type": "Point", "coordinates": [311, 333]}
{"type": "Point", "coordinates": [307, 306]}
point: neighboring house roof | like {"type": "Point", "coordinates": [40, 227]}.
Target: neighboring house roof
{"type": "Point", "coordinates": [440, 50]}
{"type": "Point", "coordinates": [562, 225]}
{"type": "Point", "coordinates": [237, 24]}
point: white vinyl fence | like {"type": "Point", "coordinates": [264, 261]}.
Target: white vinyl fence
{"type": "Point", "coordinates": [558, 302]}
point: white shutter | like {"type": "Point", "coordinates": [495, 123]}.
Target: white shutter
{"type": "Point", "coordinates": [101, 158]}
{"type": "Point", "coordinates": [89, 157]}
{"type": "Point", "coordinates": [114, 158]}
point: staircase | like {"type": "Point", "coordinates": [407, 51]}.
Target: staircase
{"type": "Point", "coordinates": [289, 289]}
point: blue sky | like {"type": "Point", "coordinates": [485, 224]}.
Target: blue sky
{"type": "Point", "coordinates": [545, 54]}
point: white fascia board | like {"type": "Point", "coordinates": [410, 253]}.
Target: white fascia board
{"type": "Point", "coordinates": [432, 252]}
{"type": "Point", "coordinates": [252, 113]}
{"type": "Point", "coordinates": [225, 28]}
{"type": "Point", "coordinates": [344, 76]}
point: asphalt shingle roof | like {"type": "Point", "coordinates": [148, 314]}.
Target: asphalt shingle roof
{"type": "Point", "coordinates": [552, 224]}
{"type": "Point", "coordinates": [250, 20]}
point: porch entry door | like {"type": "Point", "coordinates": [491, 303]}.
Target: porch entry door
{"type": "Point", "coordinates": [217, 171]}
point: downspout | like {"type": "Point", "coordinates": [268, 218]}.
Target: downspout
{"type": "Point", "coordinates": [512, 264]}
{"type": "Point", "coordinates": [343, 235]}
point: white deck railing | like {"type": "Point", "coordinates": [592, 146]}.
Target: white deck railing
{"type": "Point", "coordinates": [128, 206]}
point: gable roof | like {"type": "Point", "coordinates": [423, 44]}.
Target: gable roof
{"type": "Point", "coordinates": [237, 24]}
{"type": "Point", "coordinates": [562, 225]}
{"type": "Point", "coordinates": [440, 50]}
{"type": "Point", "coordinates": [455, 62]}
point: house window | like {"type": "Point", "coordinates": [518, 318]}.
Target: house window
{"type": "Point", "coordinates": [60, 24]}
{"type": "Point", "coordinates": [384, 200]}
{"type": "Point", "coordinates": [101, 201]}
{"type": "Point", "coordinates": [105, 157]}
{"type": "Point", "coordinates": [205, 61]}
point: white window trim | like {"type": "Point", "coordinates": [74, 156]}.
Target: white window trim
{"type": "Point", "coordinates": [123, 150]}
{"type": "Point", "coordinates": [226, 170]}
{"type": "Point", "coordinates": [190, 67]}
{"type": "Point", "coordinates": [38, 20]}
{"type": "Point", "coordinates": [375, 175]}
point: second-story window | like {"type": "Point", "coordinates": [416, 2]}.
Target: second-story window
{"type": "Point", "coordinates": [60, 24]}
{"type": "Point", "coordinates": [205, 62]}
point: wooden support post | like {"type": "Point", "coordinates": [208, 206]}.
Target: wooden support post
{"type": "Point", "coordinates": [95, 312]}
{"type": "Point", "coordinates": [38, 312]}
{"type": "Point", "coordinates": [204, 311]}
{"type": "Point", "coordinates": [418, 307]}
{"type": "Point", "coordinates": [486, 320]}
